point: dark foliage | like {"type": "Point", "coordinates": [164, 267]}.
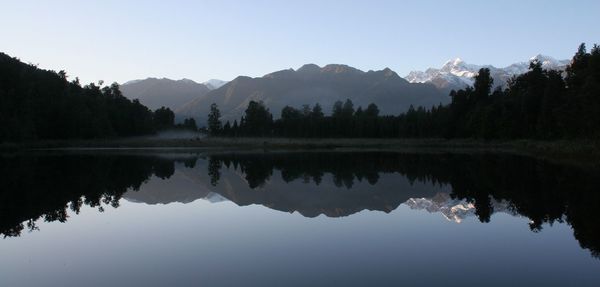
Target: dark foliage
{"type": "Point", "coordinates": [38, 104]}
{"type": "Point", "coordinates": [214, 120]}
{"type": "Point", "coordinates": [164, 118]}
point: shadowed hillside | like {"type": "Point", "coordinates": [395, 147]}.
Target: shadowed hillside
{"type": "Point", "coordinates": [314, 84]}
{"type": "Point", "coordinates": [156, 93]}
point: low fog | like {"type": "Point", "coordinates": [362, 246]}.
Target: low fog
{"type": "Point", "coordinates": [176, 134]}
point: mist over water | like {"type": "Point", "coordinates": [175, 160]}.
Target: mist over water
{"type": "Point", "coordinates": [176, 134]}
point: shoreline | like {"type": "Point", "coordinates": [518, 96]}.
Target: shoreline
{"type": "Point", "coordinates": [579, 150]}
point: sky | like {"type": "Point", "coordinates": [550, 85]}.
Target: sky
{"type": "Point", "coordinates": [118, 41]}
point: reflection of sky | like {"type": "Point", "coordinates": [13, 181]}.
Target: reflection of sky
{"type": "Point", "coordinates": [223, 244]}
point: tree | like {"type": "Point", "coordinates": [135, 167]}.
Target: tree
{"type": "Point", "coordinates": [337, 109]}
{"type": "Point", "coordinates": [214, 120]}
{"type": "Point", "coordinates": [258, 119]}
{"type": "Point", "coordinates": [317, 111]}
{"type": "Point", "coordinates": [306, 111]}
{"type": "Point", "coordinates": [483, 85]}
{"type": "Point", "coordinates": [164, 118]}
{"type": "Point", "coordinates": [234, 128]}
{"type": "Point", "coordinates": [190, 123]}
{"type": "Point", "coordinates": [227, 129]}
{"type": "Point", "coordinates": [348, 109]}
{"type": "Point", "coordinates": [372, 111]}
{"type": "Point", "coordinates": [289, 114]}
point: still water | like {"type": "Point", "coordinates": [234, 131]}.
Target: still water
{"type": "Point", "coordinates": [124, 218]}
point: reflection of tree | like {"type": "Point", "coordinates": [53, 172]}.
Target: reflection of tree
{"type": "Point", "coordinates": [190, 162]}
{"type": "Point", "coordinates": [164, 169]}
{"type": "Point", "coordinates": [214, 167]}
{"type": "Point", "coordinates": [345, 168]}
{"type": "Point", "coordinates": [44, 187]}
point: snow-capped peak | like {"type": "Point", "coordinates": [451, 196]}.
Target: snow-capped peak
{"type": "Point", "coordinates": [548, 62]}
{"type": "Point", "coordinates": [454, 62]}
{"type": "Point", "coordinates": [456, 73]}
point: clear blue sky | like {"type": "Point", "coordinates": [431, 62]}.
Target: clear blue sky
{"type": "Point", "coordinates": [199, 40]}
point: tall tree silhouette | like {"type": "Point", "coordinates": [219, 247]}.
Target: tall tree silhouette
{"type": "Point", "coordinates": [214, 120]}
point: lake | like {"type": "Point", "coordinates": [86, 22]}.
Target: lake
{"type": "Point", "coordinates": [313, 218]}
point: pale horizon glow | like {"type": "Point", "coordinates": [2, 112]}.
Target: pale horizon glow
{"type": "Point", "coordinates": [119, 41]}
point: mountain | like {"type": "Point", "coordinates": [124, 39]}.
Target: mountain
{"type": "Point", "coordinates": [155, 93]}
{"type": "Point", "coordinates": [456, 74]}
{"type": "Point", "coordinates": [455, 210]}
{"type": "Point", "coordinates": [312, 84]}
{"type": "Point", "coordinates": [214, 84]}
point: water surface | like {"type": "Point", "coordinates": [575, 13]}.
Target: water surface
{"type": "Point", "coordinates": [296, 219]}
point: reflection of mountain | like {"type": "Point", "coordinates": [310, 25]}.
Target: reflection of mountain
{"type": "Point", "coordinates": [184, 186]}
{"type": "Point", "coordinates": [455, 210]}
{"type": "Point", "coordinates": [312, 200]}
{"type": "Point", "coordinates": [177, 188]}
{"type": "Point", "coordinates": [44, 187]}
{"type": "Point", "coordinates": [328, 190]}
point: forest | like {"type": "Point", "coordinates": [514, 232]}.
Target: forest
{"type": "Point", "coordinates": [540, 104]}
{"type": "Point", "coordinates": [36, 104]}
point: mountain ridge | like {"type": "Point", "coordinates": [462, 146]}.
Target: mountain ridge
{"type": "Point", "coordinates": [311, 84]}
{"type": "Point", "coordinates": [158, 92]}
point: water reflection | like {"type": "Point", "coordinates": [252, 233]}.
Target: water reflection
{"type": "Point", "coordinates": [334, 184]}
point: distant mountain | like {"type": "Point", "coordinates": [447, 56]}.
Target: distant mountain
{"type": "Point", "coordinates": [214, 84]}
{"type": "Point", "coordinates": [155, 93]}
{"type": "Point", "coordinates": [312, 84]}
{"type": "Point", "coordinates": [456, 74]}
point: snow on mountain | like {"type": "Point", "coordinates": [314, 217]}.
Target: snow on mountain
{"type": "Point", "coordinates": [214, 84]}
{"type": "Point", "coordinates": [453, 209]}
{"type": "Point", "coordinates": [456, 73]}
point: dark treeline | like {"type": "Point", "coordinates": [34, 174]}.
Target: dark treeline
{"type": "Point", "coordinates": [39, 104]}
{"type": "Point", "coordinates": [539, 104]}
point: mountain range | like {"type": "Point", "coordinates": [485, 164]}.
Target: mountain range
{"type": "Point", "coordinates": [155, 93]}
{"type": "Point", "coordinates": [457, 74]}
{"type": "Point", "coordinates": [311, 84]}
